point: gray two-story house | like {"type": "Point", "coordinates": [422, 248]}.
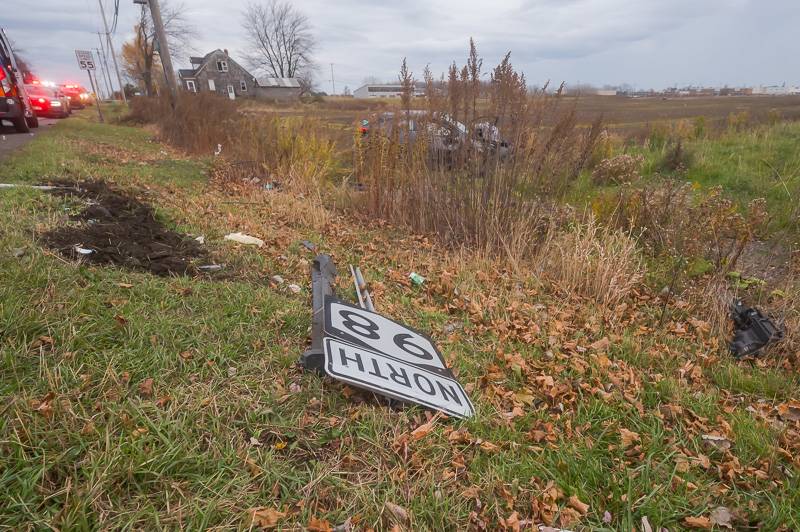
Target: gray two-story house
{"type": "Point", "coordinates": [217, 72]}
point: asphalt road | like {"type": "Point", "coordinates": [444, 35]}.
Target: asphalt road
{"type": "Point", "coordinates": [10, 140]}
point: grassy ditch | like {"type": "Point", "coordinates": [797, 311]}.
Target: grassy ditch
{"type": "Point", "coordinates": [131, 400]}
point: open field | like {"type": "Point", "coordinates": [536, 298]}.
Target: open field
{"type": "Point", "coordinates": [624, 116]}
{"type": "Point", "coordinates": [139, 401]}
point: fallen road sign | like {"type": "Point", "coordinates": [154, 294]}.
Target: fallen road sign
{"type": "Point", "coordinates": [359, 326]}
{"type": "Point", "coordinates": [400, 379]}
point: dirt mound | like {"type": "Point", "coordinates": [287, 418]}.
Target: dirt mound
{"type": "Point", "coordinates": [116, 228]}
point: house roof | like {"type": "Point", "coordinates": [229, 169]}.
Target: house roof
{"type": "Point", "coordinates": [199, 63]}
{"type": "Point", "coordinates": [278, 82]}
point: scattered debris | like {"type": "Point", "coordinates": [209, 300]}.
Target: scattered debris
{"type": "Point", "coordinates": [309, 245]}
{"type": "Point", "coordinates": [295, 288]}
{"type": "Point", "coordinates": [83, 251]}
{"type": "Point", "coordinates": [218, 150]}
{"type": "Point", "coordinates": [416, 278]}
{"type": "Point", "coordinates": [242, 238]}
{"type": "Point", "coordinates": [119, 229]}
{"type": "Point", "coordinates": [753, 330]}
{"type": "Point", "coordinates": [277, 279]}
{"type": "Point", "coordinates": [201, 239]}
{"type": "Point", "coordinates": [208, 268]}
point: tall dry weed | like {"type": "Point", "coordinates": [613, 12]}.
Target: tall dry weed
{"type": "Point", "coordinates": [593, 261]}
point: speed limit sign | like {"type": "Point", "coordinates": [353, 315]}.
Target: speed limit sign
{"type": "Point", "coordinates": [85, 59]}
{"type": "Point", "coordinates": [373, 352]}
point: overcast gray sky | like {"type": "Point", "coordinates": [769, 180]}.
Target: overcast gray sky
{"type": "Point", "coordinates": [646, 43]}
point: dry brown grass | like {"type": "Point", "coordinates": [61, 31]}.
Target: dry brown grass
{"type": "Point", "coordinates": [592, 261]}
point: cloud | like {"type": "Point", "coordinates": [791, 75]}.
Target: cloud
{"type": "Point", "coordinates": [646, 43]}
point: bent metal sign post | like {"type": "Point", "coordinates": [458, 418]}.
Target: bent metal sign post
{"type": "Point", "coordinates": [372, 352]}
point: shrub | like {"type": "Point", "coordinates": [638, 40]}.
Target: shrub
{"type": "Point", "coordinates": [618, 170]}
{"type": "Point", "coordinates": [676, 158]}
{"type": "Point", "coordinates": [295, 151]}
{"type": "Point", "coordinates": [672, 218]}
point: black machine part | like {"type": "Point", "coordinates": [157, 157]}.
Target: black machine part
{"type": "Point", "coordinates": [752, 330]}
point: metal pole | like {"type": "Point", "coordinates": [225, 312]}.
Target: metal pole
{"type": "Point", "coordinates": [323, 275]}
{"type": "Point", "coordinates": [106, 72]}
{"type": "Point", "coordinates": [113, 54]}
{"type": "Point", "coordinates": [333, 81]}
{"type": "Point", "coordinates": [97, 100]}
{"type": "Point", "coordinates": [163, 51]}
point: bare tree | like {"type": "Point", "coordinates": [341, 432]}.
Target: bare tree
{"type": "Point", "coordinates": [140, 55]}
{"type": "Point", "coordinates": [281, 41]}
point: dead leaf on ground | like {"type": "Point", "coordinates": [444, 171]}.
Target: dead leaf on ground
{"type": "Point", "coordinates": [575, 503]}
{"type": "Point", "coordinates": [265, 517]}
{"type": "Point", "coordinates": [399, 513]}
{"type": "Point", "coordinates": [789, 411]}
{"type": "Point", "coordinates": [471, 492]}
{"type": "Point", "coordinates": [319, 525]}
{"type": "Point", "coordinates": [601, 345]}
{"type": "Point", "coordinates": [423, 430]}
{"type": "Point", "coordinates": [698, 522]}
{"type": "Point", "coordinates": [629, 437]}
{"type": "Point", "coordinates": [721, 516]}
{"type": "Point", "coordinates": [719, 442]}
{"type": "Point", "coordinates": [146, 387]}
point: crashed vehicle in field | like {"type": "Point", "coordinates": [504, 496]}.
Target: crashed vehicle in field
{"type": "Point", "coordinates": [15, 105]}
{"type": "Point", "coordinates": [445, 136]}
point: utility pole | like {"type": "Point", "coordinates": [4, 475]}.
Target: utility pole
{"type": "Point", "coordinates": [109, 91]}
{"type": "Point", "coordinates": [333, 81]}
{"type": "Point", "coordinates": [163, 50]}
{"type": "Point", "coordinates": [105, 73]}
{"type": "Point", "coordinates": [111, 49]}
{"type": "Point", "coordinates": [104, 58]}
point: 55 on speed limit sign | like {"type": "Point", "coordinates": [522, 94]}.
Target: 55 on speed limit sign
{"type": "Point", "coordinates": [373, 352]}
{"type": "Point", "coordinates": [85, 59]}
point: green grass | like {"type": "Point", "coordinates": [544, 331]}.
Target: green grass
{"type": "Point", "coordinates": [235, 424]}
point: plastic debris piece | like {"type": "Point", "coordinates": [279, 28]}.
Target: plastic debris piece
{"type": "Point", "coordinates": [416, 278]}
{"type": "Point", "coordinates": [211, 267]}
{"type": "Point", "coordinates": [753, 330]}
{"type": "Point", "coordinates": [277, 279]}
{"type": "Point", "coordinates": [83, 251]}
{"type": "Point", "coordinates": [309, 245]}
{"type": "Point", "coordinates": [294, 288]}
{"type": "Point", "coordinates": [245, 239]}
{"type": "Point", "coordinates": [201, 239]}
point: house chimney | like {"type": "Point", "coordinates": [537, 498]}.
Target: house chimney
{"type": "Point", "coordinates": [226, 51]}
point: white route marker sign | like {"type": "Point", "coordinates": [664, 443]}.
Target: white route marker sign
{"type": "Point", "coordinates": [85, 59]}
{"type": "Point", "coordinates": [373, 352]}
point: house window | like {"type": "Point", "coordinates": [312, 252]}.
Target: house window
{"type": "Point", "coordinates": [243, 86]}
{"type": "Point", "coordinates": [190, 86]}
{"type": "Point", "coordinates": [222, 66]}
{"type": "Point", "coordinates": [211, 86]}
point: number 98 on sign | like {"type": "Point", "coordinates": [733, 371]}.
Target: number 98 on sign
{"type": "Point", "coordinates": [373, 331]}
